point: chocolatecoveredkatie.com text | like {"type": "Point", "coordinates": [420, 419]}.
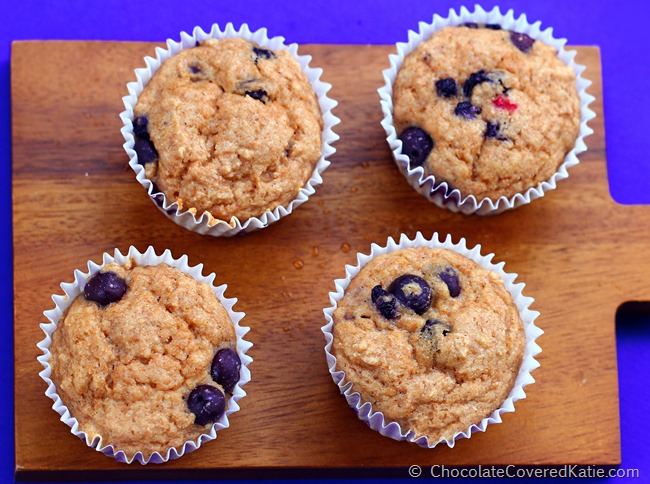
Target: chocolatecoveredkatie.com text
{"type": "Point", "coordinates": [515, 471]}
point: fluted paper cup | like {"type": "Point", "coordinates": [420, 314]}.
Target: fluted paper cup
{"type": "Point", "coordinates": [204, 223]}
{"type": "Point", "coordinates": [74, 289]}
{"type": "Point", "coordinates": [375, 419]}
{"type": "Point", "coordinates": [441, 193]}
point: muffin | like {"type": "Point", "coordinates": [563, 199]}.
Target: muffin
{"type": "Point", "coordinates": [146, 360]}
{"type": "Point", "coordinates": [489, 114]}
{"type": "Point", "coordinates": [429, 339]}
{"type": "Point", "coordinates": [231, 127]}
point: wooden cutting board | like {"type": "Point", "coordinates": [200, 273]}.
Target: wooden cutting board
{"type": "Point", "coordinates": [74, 197]}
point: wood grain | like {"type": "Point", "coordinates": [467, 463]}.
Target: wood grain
{"type": "Point", "coordinates": [74, 197]}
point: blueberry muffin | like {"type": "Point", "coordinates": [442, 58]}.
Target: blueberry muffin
{"type": "Point", "coordinates": [145, 358]}
{"type": "Point", "coordinates": [488, 111]}
{"type": "Point", "coordinates": [431, 339]}
{"type": "Point", "coordinates": [228, 128]}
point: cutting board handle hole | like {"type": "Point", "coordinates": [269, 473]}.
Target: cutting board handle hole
{"type": "Point", "coordinates": [634, 316]}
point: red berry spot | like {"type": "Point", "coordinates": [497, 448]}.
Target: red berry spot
{"type": "Point", "coordinates": [504, 103]}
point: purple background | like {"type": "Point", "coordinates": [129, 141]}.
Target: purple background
{"type": "Point", "coordinates": [619, 28]}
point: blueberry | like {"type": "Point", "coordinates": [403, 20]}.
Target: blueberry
{"type": "Point", "coordinates": [523, 42]}
{"type": "Point", "coordinates": [207, 403]}
{"type": "Point", "coordinates": [263, 53]}
{"type": "Point", "coordinates": [194, 69]}
{"type": "Point", "coordinates": [416, 144]}
{"type": "Point", "coordinates": [413, 292]}
{"type": "Point", "coordinates": [446, 87]}
{"type": "Point", "coordinates": [259, 95]}
{"type": "Point", "coordinates": [385, 302]}
{"type": "Point", "coordinates": [466, 110]}
{"type": "Point", "coordinates": [471, 25]}
{"type": "Point", "coordinates": [105, 288]}
{"type": "Point", "coordinates": [140, 127]}
{"type": "Point", "coordinates": [145, 150]}
{"type": "Point", "coordinates": [474, 79]}
{"type": "Point", "coordinates": [492, 130]}
{"type": "Point", "coordinates": [225, 368]}
{"type": "Point", "coordinates": [433, 327]}
{"type": "Point", "coordinates": [450, 277]}
{"type": "Point", "coordinates": [493, 26]}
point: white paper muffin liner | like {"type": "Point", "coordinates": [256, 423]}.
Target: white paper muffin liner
{"type": "Point", "coordinates": [203, 223]}
{"type": "Point", "coordinates": [441, 194]}
{"type": "Point", "coordinates": [74, 289]}
{"type": "Point", "coordinates": [374, 419]}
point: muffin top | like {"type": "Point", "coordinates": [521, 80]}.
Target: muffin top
{"type": "Point", "coordinates": [429, 338]}
{"type": "Point", "coordinates": [491, 112]}
{"type": "Point", "coordinates": [230, 128]}
{"type": "Point", "coordinates": [130, 352]}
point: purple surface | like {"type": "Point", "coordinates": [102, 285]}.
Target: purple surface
{"type": "Point", "coordinates": [619, 28]}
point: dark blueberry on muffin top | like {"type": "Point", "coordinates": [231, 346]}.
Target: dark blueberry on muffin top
{"type": "Point", "coordinates": [413, 292]}
{"type": "Point", "coordinates": [105, 288]}
{"type": "Point", "coordinates": [207, 403]}
{"type": "Point", "coordinates": [416, 144]}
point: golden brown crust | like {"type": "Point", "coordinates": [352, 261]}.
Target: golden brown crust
{"type": "Point", "coordinates": [223, 151]}
{"type": "Point", "coordinates": [125, 370]}
{"type": "Point", "coordinates": [438, 385]}
{"type": "Point", "coordinates": [537, 135]}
